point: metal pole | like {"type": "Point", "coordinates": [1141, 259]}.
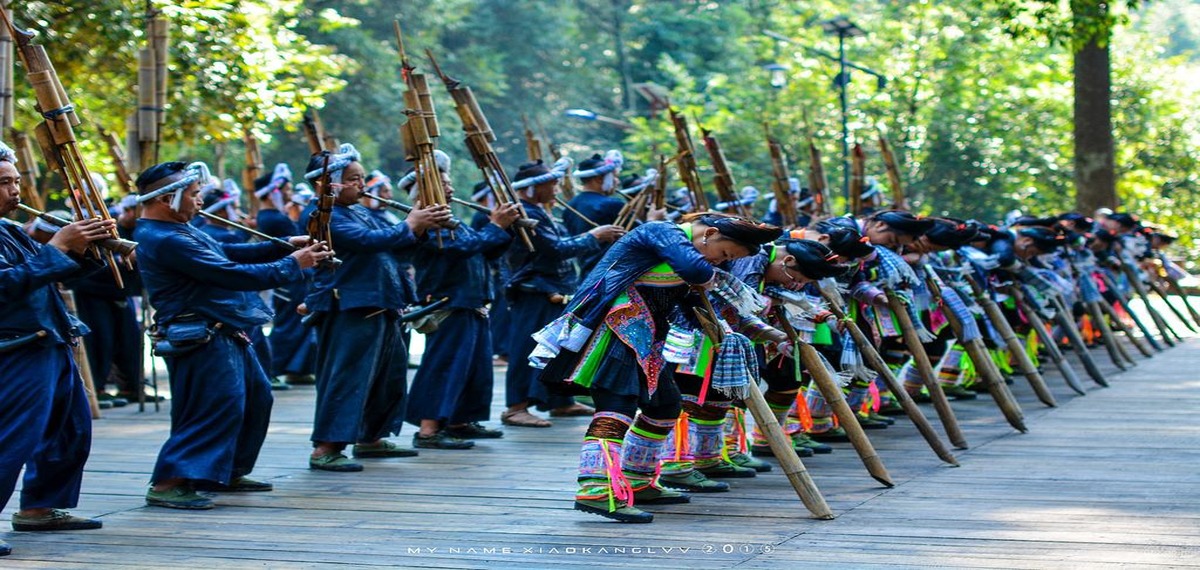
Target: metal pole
{"type": "Point", "coordinates": [843, 80]}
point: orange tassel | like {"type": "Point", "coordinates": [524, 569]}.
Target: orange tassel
{"type": "Point", "coordinates": [802, 412]}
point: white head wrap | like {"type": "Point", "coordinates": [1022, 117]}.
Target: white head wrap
{"type": "Point", "coordinates": [192, 173]}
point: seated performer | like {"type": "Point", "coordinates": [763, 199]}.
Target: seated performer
{"type": "Point", "coordinates": [355, 307]}
{"type": "Point", "coordinates": [452, 390]}
{"type": "Point", "coordinates": [205, 296]}
{"type": "Point", "coordinates": [537, 289]}
{"type": "Point", "coordinates": [610, 342]}
{"type": "Point", "coordinates": [45, 422]}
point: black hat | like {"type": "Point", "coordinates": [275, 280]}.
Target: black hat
{"type": "Point", "coordinates": [631, 181]}
{"type": "Point", "coordinates": [749, 233]}
{"type": "Point", "coordinates": [952, 233]}
{"type": "Point", "coordinates": [1044, 239]}
{"type": "Point", "coordinates": [813, 258]}
{"type": "Point", "coordinates": [1077, 222]}
{"type": "Point", "coordinates": [531, 170]}
{"type": "Point", "coordinates": [596, 161]}
{"type": "Point", "coordinates": [262, 181]}
{"type": "Point", "coordinates": [845, 239]}
{"type": "Point", "coordinates": [157, 172]}
{"type": "Point", "coordinates": [903, 222]}
{"type": "Point", "coordinates": [1031, 221]}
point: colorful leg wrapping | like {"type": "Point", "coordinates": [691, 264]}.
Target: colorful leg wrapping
{"type": "Point", "coordinates": [951, 368]}
{"type": "Point", "coordinates": [600, 475]}
{"type": "Point", "coordinates": [642, 446]}
{"type": "Point", "coordinates": [820, 411]}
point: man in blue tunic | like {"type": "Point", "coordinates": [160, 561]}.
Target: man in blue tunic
{"type": "Point", "coordinates": [600, 177]}
{"type": "Point", "coordinates": [206, 296]}
{"type": "Point", "coordinates": [45, 423]}
{"type": "Point", "coordinates": [361, 370]}
{"type": "Point", "coordinates": [293, 345]}
{"type": "Point", "coordinates": [498, 272]}
{"type": "Point", "coordinates": [452, 390]}
{"type": "Point", "coordinates": [537, 289]}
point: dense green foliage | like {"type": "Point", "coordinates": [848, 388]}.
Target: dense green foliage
{"type": "Point", "coordinates": [977, 103]}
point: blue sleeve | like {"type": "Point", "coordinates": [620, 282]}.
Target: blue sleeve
{"type": "Point", "coordinates": [279, 226]}
{"type": "Point", "coordinates": [349, 235]}
{"type": "Point", "coordinates": [45, 268]}
{"type": "Point", "coordinates": [260, 252]}
{"type": "Point", "coordinates": [609, 210]}
{"type": "Point", "coordinates": [196, 260]}
{"type": "Point", "coordinates": [465, 241]}
{"type": "Point", "coordinates": [674, 248]}
{"type": "Point", "coordinates": [546, 238]}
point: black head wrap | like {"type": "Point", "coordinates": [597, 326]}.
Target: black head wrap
{"type": "Point", "coordinates": [157, 172]}
{"type": "Point", "coordinates": [1044, 239]}
{"type": "Point", "coordinates": [845, 239]}
{"type": "Point", "coordinates": [813, 258]}
{"type": "Point", "coordinates": [1077, 222]}
{"type": "Point", "coordinates": [903, 222]}
{"type": "Point", "coordinates": [631, 181]}
{"type": "Point", "coordinates": [952, 233]}
{"type": "Point", "coordinates": [531, 170]}
{"type": "Point", "coordinates": [1104, 236]}
{"type": "Point", "coordinates": [262, 181]}
{"type": "Point", "coordinates": [747, 233]}
{"type": "Point", "coordinates": [596, 161]}
{"type": "Point", "coordinates": [1127, 221]}
{"type": "Point", "coordinates": [1031, 221]}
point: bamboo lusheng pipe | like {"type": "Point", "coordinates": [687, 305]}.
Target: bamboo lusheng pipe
{"type": "Point", "coordinates": [1164, 329]}
{"type": "Point", "coordinates": [333, 261]}
{"type": "Point", "coordinates": [893, 173]}
{"type": "Point", "coordinates": [1173, 283]}
{"type": "Point", "coordinates": [872, 359]}
{"type": "Point", "coordinates": [6, 76]}
{"type": "Point", "coordinates": [253, 168]}
{"type": "Point", "coordinates": [400, 206]}
{"type": "Point", "coordinates": [780, 444]}
{"type": "Point", "coordinates": [925, 370]}
{"type": "Point", "coordinates": [116, 245]}
{"type": "Point", "coordinates": [686, 162]}
{"type": "Point", "coordinates": [983, 365]}
{"type": "Point", "coordinates": [833, 395]}
{"type": "Point", "coordinates": [28, 168]}
{"type": "Point", "coordinates": [478, 141]}
{"type": "Point", "coordinates": [1048, 341]}
{"type": "Point", "coordinates": [311, 133]}
{"type": "Point", "coordinates": [817, 182]}
{"type": "Point", "coordinates": [1066, 321]}
{"type": "Point", "coordinates": [1124, 300]}
{"type": "Point", "coordinates": [1120, 325]}
{"type": "Point", "coordinates": [722, 176]}
{"type": "Point", "coordinates": [1166, 297]}
{"type": "Point", "coordinates": [57, 137]}
{"type": "Point", "coordinates": [780, 185]}
{"type": "Point", "coordinates": [1024, 363]}
{"type": "Point", "coordinates": [858, 171]}
{"type": "Point", "coordinates": [1116, 352]}
{"type": "Point", "coordinates": [124, 180]}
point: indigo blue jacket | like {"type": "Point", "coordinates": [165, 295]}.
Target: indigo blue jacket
{"type": "Point", "coordinates": [598, 208]}
{"type": "Point", "coordinates": [275, 223]}
{"type": "Point", "coordinates": [372, 273]}
{"type": "Point", "coordinates": [457, 266]}
{"type": "Point", "coordinates": [631, 256]}
{"type": "Point", "coordinates": [29, 299]}
{"type": "Point", "coordinates": [547, 269]}
{"type": "Point", "coordinates": [187, 272]}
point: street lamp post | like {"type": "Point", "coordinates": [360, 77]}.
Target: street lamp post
{"type": "Point", "coordinates": [843, 28]}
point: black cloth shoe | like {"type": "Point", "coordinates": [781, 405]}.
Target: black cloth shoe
{"type": "Point", "coordinates": [238, 485]}
{"type": "Point", "coordinates": [5, 549]}
{"type": "Point", "coordinates": [55, 520]}
{"type": "Point", "coordinates": [440, 440]}
{"type": "Point", "coordinates": [473, 430]}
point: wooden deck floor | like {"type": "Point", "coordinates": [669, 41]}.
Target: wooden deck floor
{"type": "Point", "coordinates": [1106, 480]}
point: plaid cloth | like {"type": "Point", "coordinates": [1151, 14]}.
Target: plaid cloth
{"type": "Point", "coordinates": [736, 367]}
{"type": "Point", "coordinates": [955, 304]}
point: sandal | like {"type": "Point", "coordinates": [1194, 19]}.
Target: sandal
{"type": "Point", "coordinates": [574, 410]}
{"type": "Point", "coordinates": [522, 418]}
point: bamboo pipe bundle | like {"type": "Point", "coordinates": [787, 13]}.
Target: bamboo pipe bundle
{"type": "Point", "coordinates": [872, 359]}
{"type": "Point", "coordinates": [124, 179]}
{"type": "Point", "coordinates": [817, 181]}
{"type": "Point", "coordinates": [893, 173]}
{"type": "Point", "coordinates": [253, 168]}
{"type": "Point", "coordinates": [722, 177]}
{"type": "Point", "coordinates": [858, 165]}
{"type": "Point", "coordinates": [925, 369]}
{"type": "Point", "coordinates": [6, 76]}
{"type": "Point", "coordinates": [780, 184]}
{"type": "Point", "coordinates": [28, 168]}
{"type": "Point", "coordinates": [159, 30]}
{"type": "Point", "coordinates": [312, 133]}
{"type": "Point", "coordinates": [1024, 363]}
{"type": "Point", "coordinates": [686, 163]}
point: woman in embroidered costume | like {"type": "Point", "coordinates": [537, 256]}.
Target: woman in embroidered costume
{"type": "Point", "coordinates": [698, 453]}
{"type": "Point", "coordinates": [610, 341]}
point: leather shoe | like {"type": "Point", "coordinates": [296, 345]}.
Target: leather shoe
{"type": "Point", "coordinates": [382, 448]}
{"type": "Point", "coordinates": [182, 497]}
{"type": "Point", "coordinates": [54, 520]}
{"type": "Point", "coordinates": [473, 430]}
{"type": "Point", "coordinates": [334, 462]}
{"type": "Point", "coordinates": [238, 485]}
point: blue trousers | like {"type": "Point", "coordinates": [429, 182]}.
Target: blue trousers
{"type": "Point", "coordinates": [262, 348]}
{"type": "Point", "coordinates": [361, 375]}
{"type": "Point", "coordinates": [454, 383]}
{"type": "Point", "coordinates": [293, 345]}
{"type": "Point", "coordinates": [529, 313]}
{"type": "Point", "coordinates": [45, 426]}
{"type": "Point", "coordinates": [220, 409]}
{"type": "Point", "coordinates": [115, 340]}
{"type": "Point", "coordinates": [500, 318]}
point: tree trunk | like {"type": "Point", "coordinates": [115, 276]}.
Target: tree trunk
{"type": "Point", "coordinates": [1095, 173]}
